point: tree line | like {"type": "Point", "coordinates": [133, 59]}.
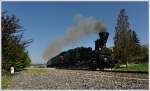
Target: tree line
{"type": "Point", "coordinates": [127, 47]}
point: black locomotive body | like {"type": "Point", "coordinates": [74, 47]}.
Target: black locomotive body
{"type": "Point", "coordinates": [85, 57]}
{"type": "Point", "coordinates": [101, 61]}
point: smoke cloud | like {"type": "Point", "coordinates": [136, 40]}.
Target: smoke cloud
{"type": "Point", "coordinates": [82, 27]}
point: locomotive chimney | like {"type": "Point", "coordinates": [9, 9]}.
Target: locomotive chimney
{"type": "Point", "coordinates": [104, 36]}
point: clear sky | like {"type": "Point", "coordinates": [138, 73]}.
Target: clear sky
{"type": "Point", "coordinates": [43, 21]}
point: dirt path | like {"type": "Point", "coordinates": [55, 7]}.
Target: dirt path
{"type": "Point", "coordinates": [77, 79]}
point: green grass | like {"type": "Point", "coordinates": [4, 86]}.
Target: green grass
{"type": "Point", "coordinates": [134, 67]}
{"type": "Point", "coordinates": [37, 66]}
{"type": "Point", "coordinates": [35, 72]}
{"type": "Point", "coordinates": [6, 80]}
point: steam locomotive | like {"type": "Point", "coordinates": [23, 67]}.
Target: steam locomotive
{"type": "Point", "coordinates": [86, 57]}
{"type": "Point", "coordinates": [102, 56]}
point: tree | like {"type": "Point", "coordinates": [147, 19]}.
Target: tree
{"type": "Point", "coordinates": [121, 37]}
{"type": "Point", "coordinates": [13, 46]}
{"type": "Point", "coordinates": [144, 53]}
{"type": "Point", "coordinates": [134, 47]}
{"type": "Point", "coordinates": [136, 43]}
{"type": "Point", "coordinates": [126, 41]}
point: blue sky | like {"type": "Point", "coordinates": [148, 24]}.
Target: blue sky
{"type": "Point", "coordinates": [44, 21]}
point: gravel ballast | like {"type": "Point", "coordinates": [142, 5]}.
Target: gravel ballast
{"type": "Point", "coordinates": [79, 79]}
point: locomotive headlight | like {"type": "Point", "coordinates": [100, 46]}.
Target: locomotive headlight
{"type": "Point", "coordinates": [99, 48]}
{"type": "Point", "coordinates": [105, 59]}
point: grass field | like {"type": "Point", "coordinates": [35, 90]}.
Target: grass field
{"type": "Point", "coordinates": [134, 67]}
{"type": "Point", "coordinates": [6, 80]}
{"type": "Point", "coordinates": [35, 71]}
{"type": "Point", "coordinates": [38, 66]}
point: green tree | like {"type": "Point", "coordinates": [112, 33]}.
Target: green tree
{"type": "Point", "coordinates": [144, 54]}
{"type": "Point", "coordinates": [136, 43]}
{"type": "Point", "coordinates": [13, 46]}
{"type": "Point", "coordinates": [134, 47]}
{"type": "Point", "coordinates": [126, 41]}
